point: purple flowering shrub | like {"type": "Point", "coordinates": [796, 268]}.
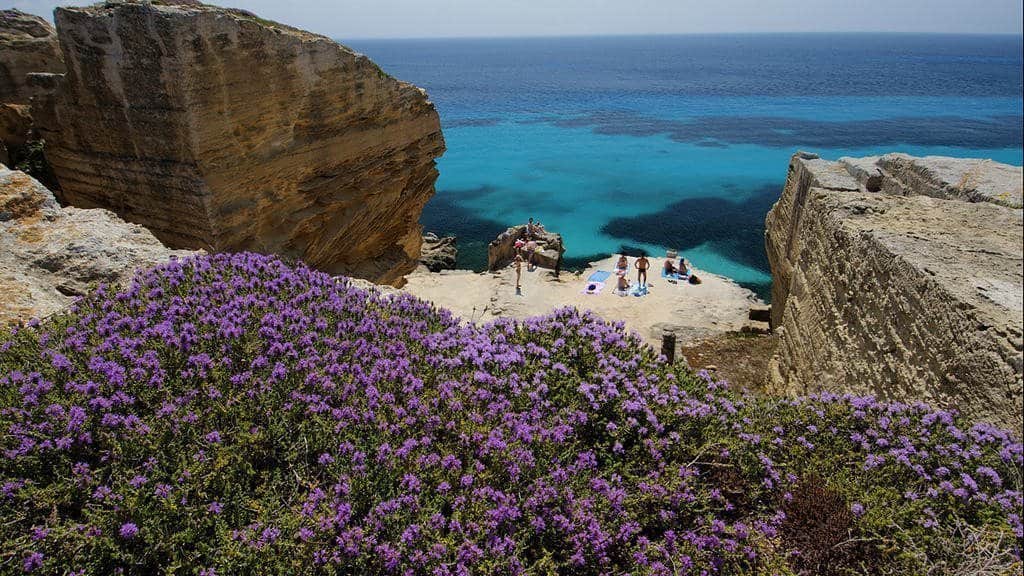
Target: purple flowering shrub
{"type": "Point", "coordinates": [232, 414]}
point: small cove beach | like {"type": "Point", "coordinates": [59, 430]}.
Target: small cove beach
{"type": "Point", "coordinates": [693, 312]}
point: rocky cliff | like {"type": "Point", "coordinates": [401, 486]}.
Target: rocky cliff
{"type": "Point", "coordinates": [28, 44]}
{"type": "Point", "coordinates": [220, 130]}
{"type": "Point", "coordinates": [901, 277]}
{"type": "Point", "coordinates": [49, 254]}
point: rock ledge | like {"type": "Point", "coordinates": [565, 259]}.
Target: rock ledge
{"type": "Point", "coordinates": [901, 277]}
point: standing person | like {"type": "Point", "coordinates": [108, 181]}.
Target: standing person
{"type": "Point", "coordinates": [531, 249]}
{"type": "Point", "coordinates": [519, 274]}
{"type": "Point", "coordinates": [642, 264]}
{"type": "Point", "coordinates": [530, 229]}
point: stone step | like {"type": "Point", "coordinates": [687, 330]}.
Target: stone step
{"type": "Point", "coordinates": [756, 327]}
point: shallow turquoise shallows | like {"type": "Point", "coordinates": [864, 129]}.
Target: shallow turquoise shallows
{"type": "Point", "coordinates": [648, 143]}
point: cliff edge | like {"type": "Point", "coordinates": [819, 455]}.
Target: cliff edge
{"type": "Point", "coordinates": [220, 130]}
{"type": "Point", "coordinates": [901, 277]}
{"type": "Point", "coordinates": [27, 44]}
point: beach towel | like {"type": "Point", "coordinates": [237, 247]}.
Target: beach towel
{"type": "Point", "coordinates": [674, 275]}
{"type": "Point", "coordinates": [592, 288]}
{"type": "Point", "coordinates": [599, 276]}
{"type": "Point", "coordinates": [640, 290]}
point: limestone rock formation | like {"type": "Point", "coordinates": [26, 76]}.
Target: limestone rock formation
{"type": "Point", "coordinates": [548, 253]}
{"type": "Point", "coordinates": [15, 125]}
{"type": "Point", "coordinates": [903, 278]}
{"type": "Point", "coordinates": [439, 253]}
{"type": "Point", "coordinates": [970, 179]}
{"type": "Point", "coordinates": [27, 44]}
{"type": "Point", "coordinates": [49, 254]}
{"type": "Point", "coordinates": [217, 129]}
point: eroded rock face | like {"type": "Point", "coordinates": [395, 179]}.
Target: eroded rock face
{"type": "Point", "coordinates": [219, 130]}
{"type": "Point", "coordinates": [15, 125]}
{"type": "Point", "coordinates": [27, 44]}
{"type": "Point", "coordinates": [893, 277]}
{"type": "Point", "coordinates": [49, 254]}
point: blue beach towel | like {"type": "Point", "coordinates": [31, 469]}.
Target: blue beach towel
{"type": "Point", "coordinates": [599, 276]}
{"type": "Point", "coordinates": [674, 275]}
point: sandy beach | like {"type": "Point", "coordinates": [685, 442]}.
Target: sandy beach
{"type": "Point", "coordinates": [693, 312]}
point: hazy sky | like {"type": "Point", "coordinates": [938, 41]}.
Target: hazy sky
{"type": "Point", "coordinates": [445, 18]}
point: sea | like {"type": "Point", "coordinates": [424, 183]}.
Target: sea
{"type": "Point", "coordinates": [628, 144]}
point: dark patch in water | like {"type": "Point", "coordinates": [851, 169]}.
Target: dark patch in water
{"type": "Point", "coordinates": [733, 229]}
{"type": "Point", "coordinates": [472, 122]}
{"type": "Point", "coordinates": [580, 263]}
{"type": "Point", "coordinates": [631, 251]}
{"type": "Point", "coordinates": [776, 132]}
{"type": "Point", "coordinates": [444, 215]}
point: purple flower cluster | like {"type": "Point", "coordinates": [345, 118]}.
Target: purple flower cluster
{"type": "Point", "coordinates": [235, 414]}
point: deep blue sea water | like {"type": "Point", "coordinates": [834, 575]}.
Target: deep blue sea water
{"type": "Point", "coordinates": [628, 143]}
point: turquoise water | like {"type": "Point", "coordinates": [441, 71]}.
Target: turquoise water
{"type": "Point", "coordinates": [629, 144]}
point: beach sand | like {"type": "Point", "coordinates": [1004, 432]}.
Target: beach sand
{"type": "Point", "coordinates": [692, 312]}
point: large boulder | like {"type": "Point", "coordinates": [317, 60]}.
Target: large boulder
{"type": "Point", "coordinates": [217, 129]}
{"type": "Point", "coordinates": [548, 254]}
{"type": "Point", "coordinates": [439, 252]}
{"type": "Point", "coordinates": [27, 44]}
{"type": "Point", "coordinates": [903, 278]}
{"type": "Point", "coordinates": [49, 254]}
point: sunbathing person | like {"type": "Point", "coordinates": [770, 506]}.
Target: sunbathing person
{"type": "Point", "coordinates": [623, 285]}
{"type": "Point", "coordinates": [684, 270]}
{"type": "Point", "coordinates": [622, 265]}
{"type": "Point", "coordinates": [670, 268]}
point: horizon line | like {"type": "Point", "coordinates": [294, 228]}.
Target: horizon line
{"type": "Point", "coordinates": [673, 34]}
